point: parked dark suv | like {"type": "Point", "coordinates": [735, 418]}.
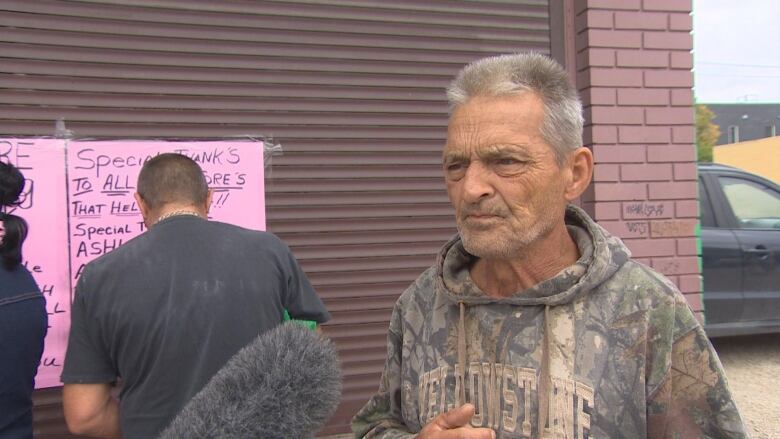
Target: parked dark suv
{"type": "Point", "coordinates": [740, 235]}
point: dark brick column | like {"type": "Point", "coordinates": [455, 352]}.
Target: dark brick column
{"type": "Point", "coordinates": [633, 63]}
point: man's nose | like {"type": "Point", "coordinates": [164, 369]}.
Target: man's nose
{"type": "Point", "coordinates": [477, 183]}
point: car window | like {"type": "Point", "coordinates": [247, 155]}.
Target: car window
{"type": "Point", "coordinates": [705, 208]}
{"type": "Point", "coordinates": [755, 205]}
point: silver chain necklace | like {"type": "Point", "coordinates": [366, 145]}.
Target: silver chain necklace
{"type": "Point", "coordinates": [177, 213]}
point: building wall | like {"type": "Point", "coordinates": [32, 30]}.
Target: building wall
{"type": "Point", "coordinates": [744, 122]}
{"type": "Point", "coordinates": [633, 62]}
{"type": "Point", "coordinates": [760, 157]}
{"type": "Point", "coordinates": [353, 91]}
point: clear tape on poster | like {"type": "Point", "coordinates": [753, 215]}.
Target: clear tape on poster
{"type": "Point", "coordinates": [270, 147]}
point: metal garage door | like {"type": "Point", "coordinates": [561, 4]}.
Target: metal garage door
{"type": "Point", "coordinates": [352, 89]}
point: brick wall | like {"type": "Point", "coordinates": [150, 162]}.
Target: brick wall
{"type": "Point", "coordinates": [633, 62]}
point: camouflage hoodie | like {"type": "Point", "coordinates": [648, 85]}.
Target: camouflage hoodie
{"type": "Point", "coordinates": [608, 347]}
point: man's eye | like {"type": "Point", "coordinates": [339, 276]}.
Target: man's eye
{"type": "Point", "coordinates": [455, 171]}
{"type": "Point", "coordinates": [507, 165]}
{"type": "Point", "coordinates": [454, 167]}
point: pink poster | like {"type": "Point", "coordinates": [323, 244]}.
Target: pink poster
{"type": "Point", "coordinates": [79, 211]}
{"type": "Point", "coordinates": [102, 177]}
{"type": "Point", "coordinates": [42, 161]}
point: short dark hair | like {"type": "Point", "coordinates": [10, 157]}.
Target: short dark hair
{"type": "Point", "coordinates": [172, 178]}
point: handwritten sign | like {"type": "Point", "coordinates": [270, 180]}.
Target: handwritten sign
{"type": "Point", "coordinates": [101, 182]}
{"type": "Point", "coordinates": [43, 206]}
{"type": "Point", "coordinates": [83, 210]}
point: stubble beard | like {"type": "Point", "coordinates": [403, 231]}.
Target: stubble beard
{"type": "Point", "coordinates": [506, 241]}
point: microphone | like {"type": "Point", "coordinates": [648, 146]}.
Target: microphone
{"type": "Point", "coordinates": [284, 384]}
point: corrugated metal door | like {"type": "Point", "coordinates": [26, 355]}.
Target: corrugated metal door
{"type": "Point", "coordinates": [352, 89]}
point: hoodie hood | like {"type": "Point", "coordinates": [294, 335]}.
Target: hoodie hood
{"type": "Point", "coordinates": [601, 255]}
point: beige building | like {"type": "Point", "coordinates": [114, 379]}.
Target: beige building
{"type": "Point", "coordinates": [760, 157]}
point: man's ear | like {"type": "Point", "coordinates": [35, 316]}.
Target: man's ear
{"type": "Point", "coordinates": [209, 197]}
{"type": "Point", "coordinates": [142, 206]}
{"type": "Point", "coordinates": [580, 164]}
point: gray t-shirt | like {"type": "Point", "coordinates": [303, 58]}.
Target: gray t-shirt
{"type": "Point", "coordinates": [166, 310]}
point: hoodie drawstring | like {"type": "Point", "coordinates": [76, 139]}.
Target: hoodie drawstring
{"type": "Point", "coordinates": [544, 376]}
{"type": "Point", "coordinates": [462, 352]}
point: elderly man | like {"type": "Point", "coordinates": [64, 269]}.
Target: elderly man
{"type": "Point", "coordinates": [167, 309]}
{"type": "Point", "coordinates": [534, 322]}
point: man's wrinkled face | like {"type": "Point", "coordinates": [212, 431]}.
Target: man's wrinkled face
{"type": "Point", "coordinates": [502, 177]}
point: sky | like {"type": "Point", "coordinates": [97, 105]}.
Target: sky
{"type": "Point", "coordinates": [736, 51]}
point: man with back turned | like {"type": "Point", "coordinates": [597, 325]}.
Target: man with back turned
{"type": "Point", "coordinates": [535, 322]}
{"type": "Point", "coordinates": [166, 310]}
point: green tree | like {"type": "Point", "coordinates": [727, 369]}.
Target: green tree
{"type": "Point", "coordinates": [707, 133]}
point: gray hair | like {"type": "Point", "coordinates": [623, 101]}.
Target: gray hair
{"type": "Point", "coordinates": [508, 75]}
